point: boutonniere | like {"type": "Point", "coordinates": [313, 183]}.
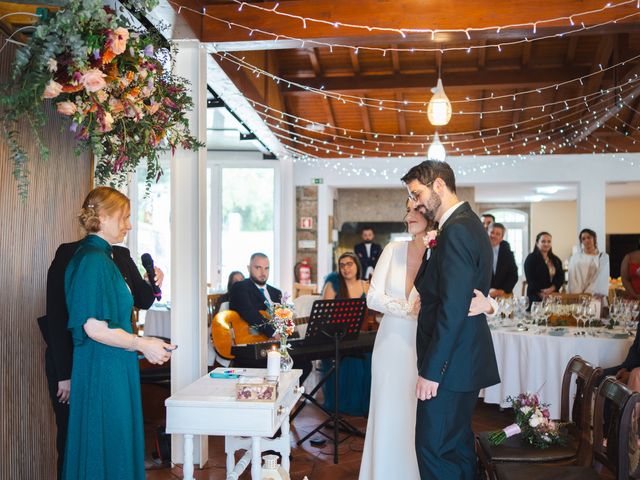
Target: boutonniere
{"type": "Point", "coordinates": [431, 239]}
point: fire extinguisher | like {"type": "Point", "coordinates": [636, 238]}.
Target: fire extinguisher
{"type": "Point", "coordinates": [305, 272]}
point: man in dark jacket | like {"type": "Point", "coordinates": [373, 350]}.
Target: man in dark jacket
{"type": "Point", "coordinates": [59, 352]}
{"type": "Point", "coordinates": [455, 351]}
{"type": "Point", "coordinates": [505, 270]}
{"type": "Point", "coordinates": [368, 252]}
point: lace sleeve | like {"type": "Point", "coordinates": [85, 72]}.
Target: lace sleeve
{"type": "Point", "coordinates": [377, 298]}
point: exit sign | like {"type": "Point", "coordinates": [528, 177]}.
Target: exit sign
{"type": "Point", "coordinates": [317, 181]}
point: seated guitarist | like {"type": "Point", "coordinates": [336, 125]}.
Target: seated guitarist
{"type": "Point", "coordinates": [248, 296]}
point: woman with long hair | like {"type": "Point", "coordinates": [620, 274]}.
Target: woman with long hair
{"type": "Point", "coordinates": [589, 267]}
{"type": "Point", "coordinates": [354, 381]}
{"type": "Point", "coordinates": [543, 269]}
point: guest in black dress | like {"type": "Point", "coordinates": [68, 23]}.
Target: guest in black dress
{"type": "Point", "coordinates": [543, 270]}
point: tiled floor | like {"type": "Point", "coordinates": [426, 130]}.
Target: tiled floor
{"type": "Point", "coordinates": [317, 463]}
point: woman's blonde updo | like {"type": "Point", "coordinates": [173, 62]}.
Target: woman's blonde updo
{"type": "Point", "coordinates": [101, 201]}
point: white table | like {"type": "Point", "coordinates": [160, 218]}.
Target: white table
{"type": "Point", "coordinates": [157, 322]}
{"type": "Point", "coordinates": [208, 407]}
{"type": "Point", "coordinates": [530, 362]}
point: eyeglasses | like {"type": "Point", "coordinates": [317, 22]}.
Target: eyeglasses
{"type": "Point", "coordinates": [346, 264]}
{"type": "Point", "coordinates": [414, 195]}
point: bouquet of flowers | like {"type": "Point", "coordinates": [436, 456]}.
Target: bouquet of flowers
{"type": "Point", "coordinates": [532, 421]}
{"type": "Point", "coordinates": [280, 317]}
{"type": "Point", "coordinates": [113, 82]}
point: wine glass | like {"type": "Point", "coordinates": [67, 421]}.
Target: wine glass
{"type": "Point", "coordinates": [537, 311]}
{"type": "Point", "coordinates": [591, 315]}
{"type": "Point", "coordinates": [507, 308]}
{"type": "Point", "coordinates": [580, 315]}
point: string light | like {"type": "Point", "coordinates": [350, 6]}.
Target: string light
{"type": "Point", "coordinates": [368, 101]}
{"type": "Point", "coordinates": [432, 30]}
{"type": "Point", "coordinates": [329, 45]}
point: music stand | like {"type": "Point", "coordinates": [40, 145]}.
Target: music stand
{"type": "Point", "coordinates": [337, 320]}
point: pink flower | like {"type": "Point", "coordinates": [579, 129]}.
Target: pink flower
{"type": "Point", "coordinates": [430, 239]}
{"type": "Point", "coordinates": [52, 90]}
{"type": "Point", "coordinates": [106, 123]}
{"type": "Point", "coordinates": [102, 96]}
{"type": "Point", "coordinates": [67, 108]}
{"type": "Point", "coordinates": [118, 40]}
{"type": "Point", "coordinates": [93, 80]}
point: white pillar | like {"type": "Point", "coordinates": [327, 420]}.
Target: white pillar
{"type": "Point", "coordinates": [188, 243]}
{"type": "Point", "coordinates": [592, 202]}
{"type": "Point", "coordinates": [286, 226]}
{"type": "Point", "coordinates": [325, 243]}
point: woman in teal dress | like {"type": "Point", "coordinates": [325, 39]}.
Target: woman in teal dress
{"type": "Point", "coordinates": [106, 438]}
{"type": "Point", "coordinates": [354, 380]}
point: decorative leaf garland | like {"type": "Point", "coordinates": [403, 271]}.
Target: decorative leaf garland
{"type": "Point", "coordinates": [113, 82]}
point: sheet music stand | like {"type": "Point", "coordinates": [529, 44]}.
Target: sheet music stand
{"type": "Point", "coordinates": [336, 320]}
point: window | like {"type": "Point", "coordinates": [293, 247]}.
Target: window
{"type": "Point", "coordinates": [150, 217]}
{"type": "Point", "coordinates": [242, 219]}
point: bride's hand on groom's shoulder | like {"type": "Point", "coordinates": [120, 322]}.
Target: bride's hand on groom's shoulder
{"type": "Point", "coordinates": [480, 304]}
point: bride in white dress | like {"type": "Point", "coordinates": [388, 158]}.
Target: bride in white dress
{"type": "Point", "coordinates": [389, 446]}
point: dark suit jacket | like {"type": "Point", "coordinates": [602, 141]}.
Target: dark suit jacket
{"type": "Point", "coordinates": [506, 275]}
{"type": "Point", "coordinates": [537, 274]}
{"type": "Point", "coordinates": [633, 357]}
{"type": "Point", "coordinates": [54, 324]}
{"type": "Point", "coordinates": [367, 260]}
{"type": "Point", "coordinates": [454, 349]}
{"type": "Point", "coordinates": [246, 299]}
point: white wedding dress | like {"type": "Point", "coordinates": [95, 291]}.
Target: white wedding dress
{"type": "Point", "coordinates": [389, 448]}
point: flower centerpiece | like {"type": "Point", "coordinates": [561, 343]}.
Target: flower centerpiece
{"type": "Point", "coordinates": [113, 82]}
{"type": "Point", "coordinates": [532, 421]}
{"type": "Point", "coordinates": [280, 317]}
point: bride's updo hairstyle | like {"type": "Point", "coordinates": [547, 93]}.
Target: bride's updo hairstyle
{"type": "Point", "coordinates": [101, 201]}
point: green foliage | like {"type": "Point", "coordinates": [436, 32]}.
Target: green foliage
{"type": "Point", "coordinates": [136, 112]}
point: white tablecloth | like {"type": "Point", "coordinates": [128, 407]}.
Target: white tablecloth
{"type": "Point", "coordinates": [527, 362]}
{"type": "Point", "coordinates": [157, 322]}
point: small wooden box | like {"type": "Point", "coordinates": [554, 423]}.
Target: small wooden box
{"type": "Point", "coordinates": [257, 392]}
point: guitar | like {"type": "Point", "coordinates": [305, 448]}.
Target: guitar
{"type": "Point", "coordinates": [228, 328]}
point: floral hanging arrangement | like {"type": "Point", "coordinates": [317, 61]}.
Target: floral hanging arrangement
{"type": "Point", "coordinates": [114, 83]}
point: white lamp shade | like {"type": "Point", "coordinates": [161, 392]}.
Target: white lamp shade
{"type": "Point", "coordinates": [436, 150]}
{"type": "Point", "coordinates": [439, 109]}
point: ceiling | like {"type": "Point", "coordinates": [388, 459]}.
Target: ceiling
{"type": "Point", "coordinates": [570, 86]}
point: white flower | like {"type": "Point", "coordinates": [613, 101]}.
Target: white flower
{"type": "Point", "coordinates": [52, 65]}
{"type": "Point", "coordinates": [534, 421]}
{"type": "Point", "coordinates": [525, 410]}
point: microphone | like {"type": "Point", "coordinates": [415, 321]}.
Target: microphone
{"type": "Point", "coordinates": [147, 263]}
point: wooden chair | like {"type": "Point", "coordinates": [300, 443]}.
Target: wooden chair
{"type": "Point", "coordinates": [135, 318]}
{"type": "Point", "coordinates": [577, 450]}
{"type": "Point", "coordinates": [619, 455]}
{"type": "Point", "coordinates": [212, 299]}
{"type": "Point", "coordinates": [300, 289]}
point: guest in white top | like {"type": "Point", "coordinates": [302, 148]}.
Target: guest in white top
{"type": "Point", "coordinates": [589, 268]}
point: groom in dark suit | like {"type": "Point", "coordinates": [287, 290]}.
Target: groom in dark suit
{"type": "Point", "coordinates": [455, 351]}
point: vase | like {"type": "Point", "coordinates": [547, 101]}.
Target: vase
{"type": "Point", "coordinates": [286, 362]}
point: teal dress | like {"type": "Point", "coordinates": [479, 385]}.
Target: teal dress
{"type": "Point", "coordinates": [106, 436]}
{"type": "Point", "coordinates": [354, 380]}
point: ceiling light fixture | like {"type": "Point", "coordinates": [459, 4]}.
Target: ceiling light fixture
{"type": "Point", "coordinates": [439, 109]}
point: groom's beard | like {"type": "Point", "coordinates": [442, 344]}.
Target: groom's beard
{"type": "Point", "coordinates": [431, 207]}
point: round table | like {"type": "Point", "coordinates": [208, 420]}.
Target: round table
{"type": "Point", "coordinates": [530, 362]}
{"type": "Point", "coordinates": [157, 322]}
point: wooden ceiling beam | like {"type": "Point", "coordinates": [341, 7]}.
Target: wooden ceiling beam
{"type": "Point", "coordinates": [441, 14]}
{"type": "Point", "coordinates": [482, 57]}
{"type": "Point", "coordinates": [328, 110]}
{"type": "Point", "coordinates": [402, 121]}
{"type": "Point", "coordinates": [526, 54]}
{"type": "Point", "coordinates": [571, 50]}
{"type": "Point", "coordinates": [354, 61]}
{"type": "Point", "coordinates": [366, 119]}
{"type": "Point", "coordinates": [452, 81]}
{"type": "Point", "coordinates": [315, 62]}
{"type": "Point", "coordinates": [395, 61]}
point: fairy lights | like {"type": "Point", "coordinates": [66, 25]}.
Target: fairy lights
{"type": "Point", "coordinates": [433, 31]}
